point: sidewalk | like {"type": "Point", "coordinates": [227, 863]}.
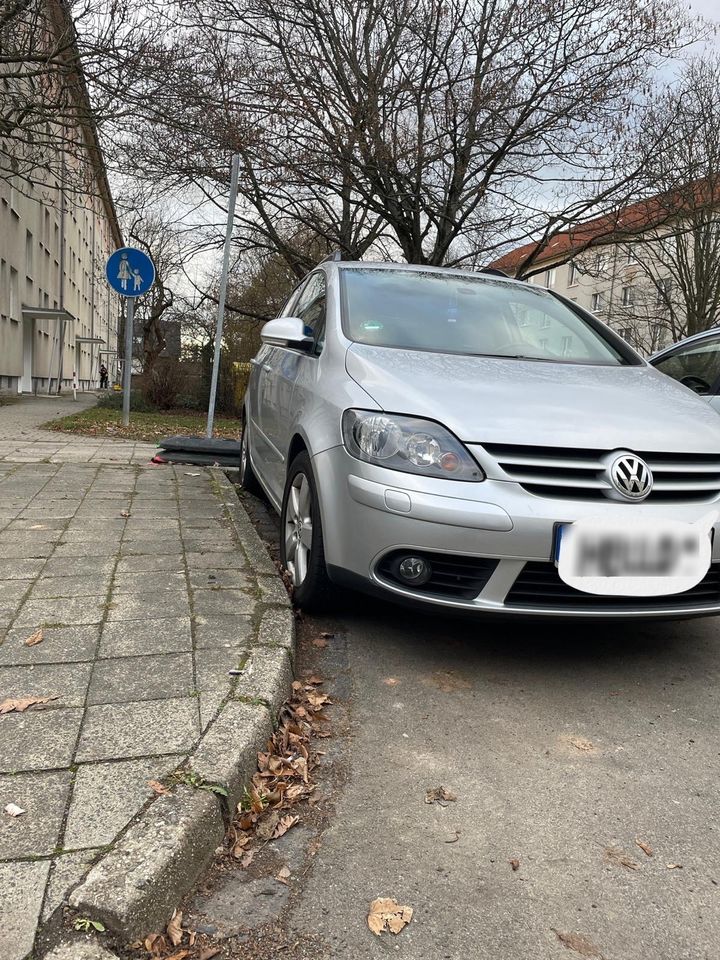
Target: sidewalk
{"type": "Point", "coordinates": [146, 598]}
{"type": "Point", "coordinates": [22, 440]}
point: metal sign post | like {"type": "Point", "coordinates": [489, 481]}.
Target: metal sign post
{"type": "Point", "coordinates": [222, 293]}
{"type": "Point", "coordinates": [131, 273]}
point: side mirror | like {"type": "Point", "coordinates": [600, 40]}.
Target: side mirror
{"type": "Point", "coordinates": [286, 332]}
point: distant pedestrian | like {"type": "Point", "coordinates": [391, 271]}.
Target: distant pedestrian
{"type": "Point", "coordinates": [103, 377]}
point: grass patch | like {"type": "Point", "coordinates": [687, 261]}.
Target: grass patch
{"type": "Point", "coordinates": [100, 422]}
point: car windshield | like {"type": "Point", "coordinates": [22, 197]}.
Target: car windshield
{"type": "Point", "coordinates": [472, 315]}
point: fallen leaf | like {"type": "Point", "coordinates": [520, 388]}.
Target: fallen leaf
{"type": "Point", "coordinates": [158, 788]}
{"type": "Point", "coordinates": [247, 859]}
{"type": "Point", "coordinates": [616, 855]}
{"type": "Point", "coordinates": [320, 642]}
{"type": "Point", "coordinates": [573, 941]}
{"type": "Point", "coordinates": [268, 825]}
{"type": "Point", "coordinates": [314, 680]}
{"type": "Point", "coordinates": [180, 955]}
{"type": "Point", "coordinates": [327, 636]}
{"type": "Point", "coordinates": [155, 943]}
{"type": "Point", "coordinates": [581, 743]}
{"type": "Point", "coordinates": [21, 704]}
{"type": "Point", "coordinates": [645, 847]}
{"type": "Point", "coordinates": [34, 639]}
{"type": "Point", "coordinates": [13, 810]}
{"type": "Point", "coordinates": [515, 864]}
{"type": "Point", "coordinates": [284, 825]}
{"type": "Point", "coordinates": [207, 953]}
{"type": "Point", "coordinates": [454, 839]}
{"type": "Point", "coordinates": [440, 795]}
{"type": "Point", "coordinates": [387, 914]}
{"type": "Point", "coordinates": [174, 928]}
{"type": "Point", "coordinates": [125, 513]}
{"type": "Point", "coordinates": [283, 875]}
{"type": "Point", "coordinates": [674, 866]}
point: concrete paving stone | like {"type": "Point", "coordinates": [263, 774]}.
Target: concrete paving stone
{"type": "Point", "coordinates": [212, 578]}
{"type": "Point", "coordinates": [210, 703]}
{"type": "Point", "coordinates": [272, 590]}
{"type": "Point", "coordinates": [63, 611]}
{"type": "Point", "coordinates": [59, 645]}
{"type": "Point", "coordinates": [38, 739]}
{"type": "Point", "coordinates": [106, 797]}
{"type": "Point", "coordinates": [223, 631]}
{"type": "Point", "coordinates": [139, 528]}
{"type": "Point", "coordinates": [22, 551]}
{"type": "Point", "coordinates": [20, 569]}
{"type": "Point", "coordinates": [139, 548]}
{"type": "Point", "coordinates": [195, 545]}
{"type": "Point", "coordinates": [164, 635]}
{"type": "Point", "coordinates": [151, 677]}
{"type": "Point", "coordinates": [78, 566]}
{"type": "Point", "coordinates": [89, 538]}
{"type": "Point", "coordinates": [78, 586]}
{"type": "Point", "coordinates": [227, 754]}
{"type": "Point", "coordinates": [155, 509]}
{"type": "Point", "coordinates": [66, 872]}
{"type": "Point", "coordinates": [267, 675]}
{"type": "Point", "coordinates": [29, 538]}
{"type": "Point", "coordinates": [143, 606]}
{"type": "Point", "coordinates": [22, 886]}
{"type": "Point", "coordinates": [92, 548]}
{"type": "Point", "coordinates": [32, 525]}
{"type": "Point", "coordinates": [150, 562]}
{"type": "Point", "coordinates": [218, 561]}
{"type": "Point", "coordinates": [212, 666]}
{"type": "Point", "coordinates": [148, 582]}
{"type": "Point", "coordinates": [43, 796]}
{"type": "Point", "coordinates": [222, 603]}
{"type": "Point", "coordinates": [12, 591]}
{"type": "Point", "coordinates": [66, 681]}
{"type": "Point", "coordinates": [138, 729]}
{"type": "Point", "coordinates": [80, 530]}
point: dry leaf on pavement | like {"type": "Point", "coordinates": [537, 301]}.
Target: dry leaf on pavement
{"type": "Point", "coordinates": [616, 855]}
{"type": "Point", "coordinates": [34, 639]}
{"type": "Point", "coordinates": [573, 941]}
{"type": "Point", "coordinates": [284, 825]}
{"type": "Point", "coordinates": [391, 681]}
{"type": "Point", "coordinates": [581, 743]}
{"type": "Point", "coordinates": [125, 513]}
{"type": "Point", "coordinates": [180, 955]}
{"type": "Point", "coordinates": [21, 704]}
{"type": "Point", "coordinates": [645, 847]}
{"type": "Point", "coordinates": [320, 642]}
{"type": "Point", "coordinates": [247, 859]}
{"type": "Point", "coordinates": [207, 953]}
{"type": "Point", "coordinates": [283, 875]}
{"type": "Point", "coordinates": [674, 866]}
{"type": "Point", "coordinates": [174, 928]}
{"type": "Point", "coordinates": [158, 788]}
{"type": "Point", "coordinates": [13, 810]}
{"type": "Point", "coordinates": [387, 914]}
{"type": "Point", "coordinates": [515, 864]}
{"type": "Point", "coordinates": [440, 795]}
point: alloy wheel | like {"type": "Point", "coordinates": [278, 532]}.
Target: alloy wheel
{"type": "Point", "coordinates": [298, 529]}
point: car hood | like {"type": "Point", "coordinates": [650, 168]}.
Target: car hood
{"type": "Point", "coordinates": [489, 400]}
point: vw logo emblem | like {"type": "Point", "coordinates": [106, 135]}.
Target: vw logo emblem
{"type": "Point", "coordinates": [631, 477]}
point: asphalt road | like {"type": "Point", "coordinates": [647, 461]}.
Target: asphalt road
{"type": "Point", "coordinates": [565, 745]}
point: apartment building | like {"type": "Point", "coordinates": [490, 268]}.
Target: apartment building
{"type": "Point", "coordinates": [618, 267]}
{"type": "Point", "coordinates": [58, 318]}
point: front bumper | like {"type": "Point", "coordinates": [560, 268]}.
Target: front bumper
{"type": "Point", "coordinates": [368, 512]}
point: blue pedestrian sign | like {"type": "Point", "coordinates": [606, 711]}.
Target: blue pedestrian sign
{"type": "Point", "coordinates": [129, 271]}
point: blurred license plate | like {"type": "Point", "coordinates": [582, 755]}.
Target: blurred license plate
{"type": "Point", "coordinates": [635, 558]}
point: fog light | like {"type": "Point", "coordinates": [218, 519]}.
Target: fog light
{"type": "Point", "coordinates": [414, 571]}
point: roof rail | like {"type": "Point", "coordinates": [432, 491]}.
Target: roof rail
{"type": "Point", "coordinates": [333, 257]}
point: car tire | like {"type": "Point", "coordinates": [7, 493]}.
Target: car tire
{"type": "Point", "coordinates": [248, 481]}
{"type": "Point", "coordinates": [301, 538]}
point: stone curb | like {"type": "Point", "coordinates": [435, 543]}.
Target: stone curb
{"type": "Point", "coordinates": [135, 886]}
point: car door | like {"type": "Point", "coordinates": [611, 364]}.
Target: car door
{"type": "Point", "coordinates": [696, 365]}
{"type": "Point", "coordinates": [278, 414]}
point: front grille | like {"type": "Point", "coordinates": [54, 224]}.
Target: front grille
{"type": "Point", "coordinates": [539, 585]}
{"type": "Point", "coordinates": [461, 578]}
{"type": "Point", "coordinates": [567, 472]}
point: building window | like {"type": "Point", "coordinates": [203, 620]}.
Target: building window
{"type": "Point", "coordinates": [627, 296]}
{"type": "Point", "coordinates": [572, 274]}
{"type": "Point", "coordinates": [625, 333]}
{"type": "Point", "coordinates": [29, 255]}
{"type": "Point", "coordinates": [550, 278]}
{"type": "Point", "coordinates": [14, 294]}
{"type": "Point", "coordinates": [597, 303]}
{"type": "Point", "coordinates": [629, 256]}
{"type": "Point", "coordinates": [663, 288]}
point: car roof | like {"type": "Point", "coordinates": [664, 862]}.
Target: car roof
{"type": "Point", "coordinates": [484, 273]}
{"type": "Point", "coordinates": [704, 334]}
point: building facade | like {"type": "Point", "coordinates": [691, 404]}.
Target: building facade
{"type": "Point", "coordinates": [58, 317]}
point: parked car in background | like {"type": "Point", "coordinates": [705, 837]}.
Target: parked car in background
{"type": "Point", "coordinates": [694, 362]}
{"type": "Point", "coordinates": [469, 441]}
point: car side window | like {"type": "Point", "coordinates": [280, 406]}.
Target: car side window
{"type": "Point", "coordinates": [696, 366]}
{"type": "Point", "coordinates": [287, 310]}
{"type": "Point", "coordinates": [310, 307]}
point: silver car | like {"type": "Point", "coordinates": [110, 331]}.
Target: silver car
{"type": "Point", "coordinates": [469, 441]}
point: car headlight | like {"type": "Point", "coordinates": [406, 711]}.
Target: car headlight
{"type": "Point", "coordinates": [407, 444]}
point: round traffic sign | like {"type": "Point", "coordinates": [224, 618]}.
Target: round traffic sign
{"type": "Point", "coordinates": [130, 271]}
